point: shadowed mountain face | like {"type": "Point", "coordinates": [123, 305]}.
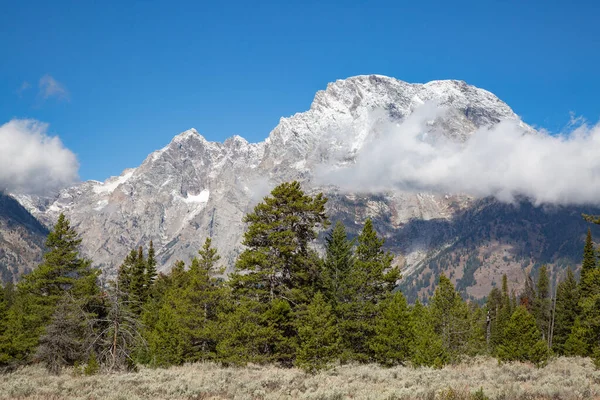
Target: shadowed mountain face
{"type": "Point", "coordinates": [477, 245]}
{"type": "Point", "coordinates": [193, 188]}
{"type": "Point", "coordinates": [22, 239]}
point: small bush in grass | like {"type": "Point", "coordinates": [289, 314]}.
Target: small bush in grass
{"type": "Point", "coordinates": [539, 354]}
{"type": "Point", "coordinates": [92, 366]}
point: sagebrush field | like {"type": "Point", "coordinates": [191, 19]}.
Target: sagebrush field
{"type": "Point", "coordinates": [477, 379]}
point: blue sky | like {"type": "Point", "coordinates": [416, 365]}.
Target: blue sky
{"type": "Point", "coordinates": [117, 80]}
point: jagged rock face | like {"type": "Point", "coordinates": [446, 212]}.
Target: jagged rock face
{"type": "Point", "coordinates": [22, 239]}
{"type": "Point", "coordinates": [193, 188]}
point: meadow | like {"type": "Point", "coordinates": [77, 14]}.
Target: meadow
{"type": "Point", "coordinates": [474, 379]}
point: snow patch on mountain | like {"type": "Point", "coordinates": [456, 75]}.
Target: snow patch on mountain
{"type": "Point", "coordinates": [111, 184]}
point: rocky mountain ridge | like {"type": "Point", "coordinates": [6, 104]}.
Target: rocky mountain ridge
{"type": "Point", "coordinates": [193, 188]}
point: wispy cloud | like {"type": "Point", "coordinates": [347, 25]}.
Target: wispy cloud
{"type": "Point", "coordinates": [50, 87]}
{"type": "Point", "coordinates": [24, 87]}
{"type": "Point", "coordinates": [505, 161]}
{"type": "Point", "coordinates": [31, 161]}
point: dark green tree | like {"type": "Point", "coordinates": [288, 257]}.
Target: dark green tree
{"type": "Point", "coordinates": [339, 261]}
{"type": "Point", "coordinates": [589, 255]}
{"type": "Point", "coordinates": [450, 317]}
{"type": "Point", "coordinates": [370, 280]}
{"type": "Point", "coordinates": [246, 334]}
{"type": "Point", "coordinates": [428, 349]}
{"type": "Point", "coordinates": [199, 304]}
{"type": "Point", "coordinates": [520, 337]}
{"type": "Point", "coordinates": [542, 306]}
{"type": "Point", "coordinates": [577, 343]}
{"type": "Point", "coordinates": [318, 336]}
{"type": "Point", "coordinates": [394, 335]}
{"type": "Point", "coordinates": [278, 261]}
{"type": "Point", "coordinates": [150, 271]}
{"type": "Point", "coordinates": [567, 310]}
{"type": "Point", "coordinates": [62, 271]}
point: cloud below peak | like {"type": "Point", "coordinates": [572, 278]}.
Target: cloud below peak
{"type": "Point", "coordinates": [505, 161]}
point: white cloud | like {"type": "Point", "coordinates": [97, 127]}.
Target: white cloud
{"type": "Point", "coordinates": [33, 162]}
{"type": "Point", "coordinates": [505, 161]}
{"type": "Point", "coordinates": [24, 87]}
{"type": "Point", "coordinates": [50, 87]}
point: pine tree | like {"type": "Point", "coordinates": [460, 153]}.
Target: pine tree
{"type": "Point", "coordinates": [150, 273]}
{"type": "Point", "coordinates": [450, 317]}
{"type": "Point", "coordinates": [62, 271]}
{"type": "Point", "coordinates": [500, 307]}
{"type": "Point", "coordinates": [245, 335]}
{"type": "Point", "coordinates": [67, 337]}
{"type": "Point", "coordinates": [394, 334]}
{"type": "Point", "coordinates": [278, 261]}
{"type": "Point", "coordinates": [590, 310]}
{"type": "Point", "coordinates": [121, 331]}
{"type": "Point", "coordinates": [275, 276]}
{"type": "Point", "coordinates": [520, 337]}
{"type": "Point", "coordinates": [497, 320]}
{"type": "Point", "coordinates": [199, 304]}
{"type": "Point", "coordinates": [567, 309]}
{"type": "Point", "coordinates": [542, 303]}
{"type": "Point", "coordinates": [186, 328]}
{"type": "Point", "coordinates": [589, 261]}
{"type": "Point", "coordinates": [527, 298]}
{"type": "Point", "coordinates": [370, 280]}
{"type": "Point", "coordinates": [577, 343]}
{"type": "Point", "coordinates": [428, 349]}
{"type": "Point", "coordinates": [166, 343]}
{"type": "Point", "coordinates": [339, 261]}
{"type": "Point", "coordinates": [318, 336]}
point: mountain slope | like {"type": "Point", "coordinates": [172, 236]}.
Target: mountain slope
{"type": "Point", "coordinates": [193, 188]}
{"type": "Point", "coordinates": [22, 239]}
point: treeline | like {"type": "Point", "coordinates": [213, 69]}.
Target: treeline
{"type": "Point", "coordinates": [284, 303]}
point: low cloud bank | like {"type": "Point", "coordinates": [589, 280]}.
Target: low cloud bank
{"type": "Point", "coordinates": [33, 162]}
{"type": "Point", "coordinates": [506, 161]}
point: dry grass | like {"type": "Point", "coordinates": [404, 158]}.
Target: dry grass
{"type": "Point", "coordinates": [563, 378]}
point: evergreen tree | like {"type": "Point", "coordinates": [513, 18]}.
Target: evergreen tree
{"type": "Point", "coordinates": [500, 309]}
{"type": "Point", "coordinates": [370, 280]}
{"type": "Point", "coordinates": [166, 343]}
{"type": "Point", "coordinates": [121, 331]}
{"type": "Point", "coordinates": [590, 310]}
{"type": "Point", "coordinates": [542, 306]}
{"type": "Point", "coordinates": [450, 317]}
{"type": "Point", "coordinates": [339, 261]}
{"type": "Point", "coordinates": [589, 262]}
{"type": "Point", "coordinates": [520, 337]}
{"type": "Point", "coordinates": [186, 328]}
{"type": "Point", "coordinates": [318, 336]}
{"type": "Point", "coordinates": [275, 276]}
{"type": "Point", "coordinates": [150, 272]}
{"type": "Point", "coordinates": [394, 334]}
{"type": "Point", "coordinates": [62, 271]}
{"type": "Point", "coordinates": [577, 343]}
{"type": "Point", "coordinates": [567, 309]}
{"type": "Point", "coordinates": [505, 296]}
{"type": "Point", "coordinates": [278, 261]}
{"type": "Point", "coordinates": [246, 336]}
{"type": "Point", "coordinates": [497, 319]}
{"type": "Point", "coordinates": [527, 298]}
{"type": "Point", "coordinates": [66, 338]}
{"type": "Point", "coordinates": [428, 349]}
{"type": "Point", "coordinates": [199, 304]}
